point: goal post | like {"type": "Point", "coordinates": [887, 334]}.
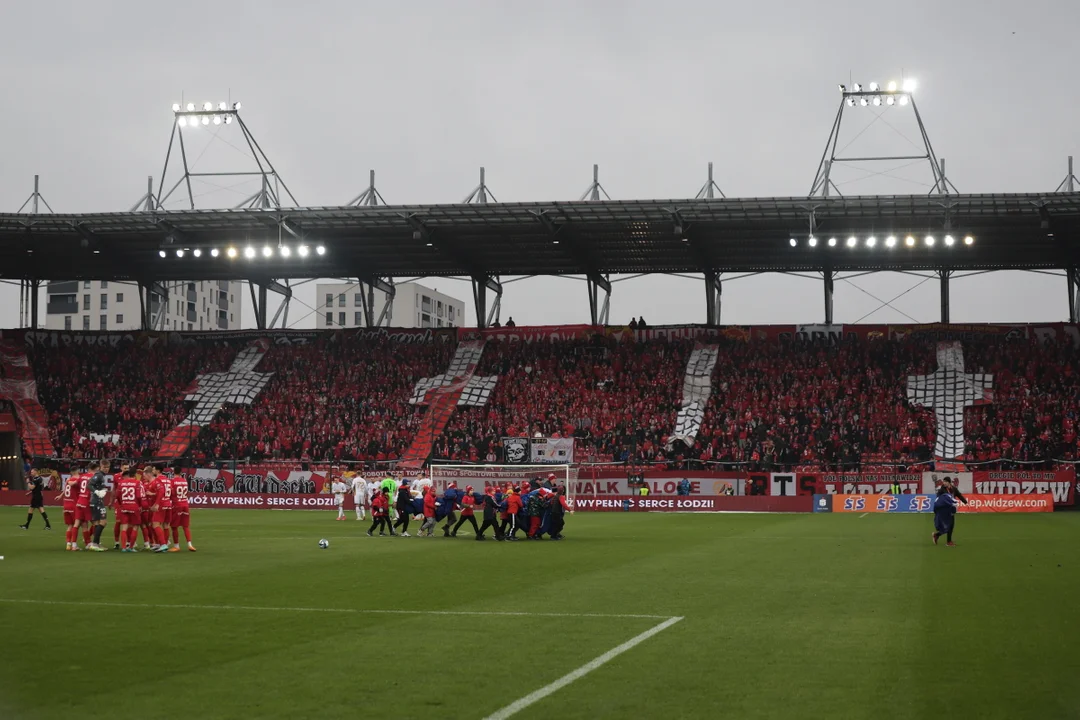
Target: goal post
{"type": "Point", "coordinates": [484, 476]}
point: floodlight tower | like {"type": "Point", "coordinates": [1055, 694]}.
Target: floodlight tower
{"type": "Point", "coordinates": [193, 118]}
{"type": "Point", "coordinates": [874, 95]}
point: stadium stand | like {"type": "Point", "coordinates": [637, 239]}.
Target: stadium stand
{"type": "Point", "coordinates": [345, 397]}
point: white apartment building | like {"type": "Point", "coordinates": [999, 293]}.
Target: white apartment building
{"type": "Point", "coordinates": [109, 305]}
{"type": "Point", "coordinates": [340, 305]}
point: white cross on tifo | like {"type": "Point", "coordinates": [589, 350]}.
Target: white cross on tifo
{"type": "Point", "coordinates": [239, 385]}
{"type": "Point", "coordinates": [948, 392]}
{"type": "Point", "coordinates": [475, 390]}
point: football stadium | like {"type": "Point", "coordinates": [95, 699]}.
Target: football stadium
{"type": "Point", "coordinates": [399, 505]}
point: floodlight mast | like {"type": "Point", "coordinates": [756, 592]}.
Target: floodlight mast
{"type": "Point", "coordinates": [876, 96]}
{"type": "Point", "coordinates": [191, 117]}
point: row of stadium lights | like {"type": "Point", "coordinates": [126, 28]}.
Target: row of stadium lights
{"type": "Point", "coordinates": [208, 107]}
{"type": "Point", "coordinates": [890, 242]}
{"type": "Point", "coordinates": [890, 93]}
{"type": "Point", "coordinates": [249, 252]}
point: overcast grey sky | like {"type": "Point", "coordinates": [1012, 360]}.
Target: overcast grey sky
{"type": "Point", "coordinates": [425, 92]}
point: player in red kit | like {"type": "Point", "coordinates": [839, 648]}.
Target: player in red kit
{"type": "Point", "coordinates": [146, 478]}
{"type": "Point", "coordinates": [129, 508]}
{"type": "Point", "coordinates": [116, 509]}
{"type": "Point", "coordinates": [166, 507]}
{"type": "Point", "coordinates": [83, 520]}
{"type": "Point", "coordinates": [71, 495]}
{"type": "Point", "coordinates": [157, 514]}
{"type": "Point", "coordinates": [181, 513]}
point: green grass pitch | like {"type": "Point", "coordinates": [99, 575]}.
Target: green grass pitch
{"type": "Point", "coordinates": [784, 616]}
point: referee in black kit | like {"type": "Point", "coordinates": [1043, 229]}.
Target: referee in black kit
{"type": "Point", "coordinates": [37, 502]}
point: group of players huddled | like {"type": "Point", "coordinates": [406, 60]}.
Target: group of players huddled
{"type": "Point", "coordinates": [535, 507]}
{"type": "Point", "coordinates": [147, 499]}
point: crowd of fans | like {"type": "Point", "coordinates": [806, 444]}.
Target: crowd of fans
{"type": "Point", "coordinates": [345, 397]}
{"type": "Point", "coordinates": [342, 397]}
{"type": "Point", "coordinates": [617, 399]}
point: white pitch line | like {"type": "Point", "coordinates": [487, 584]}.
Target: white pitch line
{"type": "Point", "coordinates": [864, 515]}
{"type": "Point", "coordinates": [534, 697]}
{"type": "Point", "coordinates": [347, 611]}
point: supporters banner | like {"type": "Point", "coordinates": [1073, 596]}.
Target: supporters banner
{"type": "Point", "coordinates": [552, 450]}
{"type": "Point", "coordinates": [706, 503]}
{"type": "Point", "coordinates": [266, 501]}
{"type": "Point", "coordinates": [1061, 484]}
{"type": "Point", "coordinates": [963, 480]}
{"type": "Point", "coordinates": [7, 422]}
{"type": "Point", "coordinates": [858, 483]}
{"type": "Point", "coordinates": [516, 450]}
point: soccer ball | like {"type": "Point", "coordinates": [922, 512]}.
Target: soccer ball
{"type": "Point", "coordinates": [324, 543]}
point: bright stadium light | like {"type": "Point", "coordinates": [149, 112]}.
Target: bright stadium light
{"type": "Point", "coordinates": [949, 240]}
{"type": "Point", "coordinates": [231, 252]}
{"type": "Point", "coordinates": [843, 89]}
{"type": "Point", "coordinates": [851, 241]}
{"type": "Point", "coordinates": [302, 251]}
{"type": "Point", "coordinates": [205, 120]}
{"type": "Point", "coordinates": [858, 87]}
{"type": "Point", "coordinates": [191, 107]}
{"type": "Point", "coordinates": [793, 242]}
{"type": "Point", "coordinates": [930, 241]}
{"type": "Point", "coordinates": [228, 119]}
{"type": "Point", "coordinates": [320, 250]}
{"type": "Point", "coordinates": [236, 106]}
{"type": "Point", "coordinates": [891, 86]}
{"type": "Point", "coordinates": [179, 253]}
{"type": "Point", "coordinates": [903, 99]}
{"type": "Point", "coordinates": [222, 106]}
{"type": "Point", "coordinates": [832, 242]}
{"type": "Point", "coordinates": [871, 241]}
{"type": "Point", "coordinates": [267, 252]}
{"type": "Point", "coordinates": [207, 106]}
{"type": "Point", "coordinates": [968, 240]}
{"type": "Point", "coordinates": [890, 241]}
{"type": "Point", "coordinates": [182, 122]}
{"type": "Point", "coordinates": [197, 252]}
{"type": "Point", "coordinates": [285, 251]}
{"type": "Point", "coordinates": [812, 241]}
{"type": "Point", "coordinates": [877, 102]}
{"type": "Point", "coordinates": [873, 87]}
{"type": "Point", "coordinates": [909, 241]}
{"type": "Point", "coordinates": [863, 102]}
{"type": "Point", "coordinates": [161, 253]}
{"type": "Point", "coordinates": [249, 252]}
{"type": "Point", "coordinates": [890, 100]}
{"type": "Point", "coordinates": [217, 119]}
{"type": "Point", "coordinates": [176, 107]}
{"type": "Point", "coordinates": [909, 85]}
{"type": "Point", "coordinates": [214, 252]}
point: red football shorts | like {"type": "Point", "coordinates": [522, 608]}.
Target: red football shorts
{"type": "Point", "coordinates": [130, 518]}
{"type": "Point", "coordinates": [82, 515]}
{"type": "Point", "coordinates": [146, 517]}
{"type": "Point", "coordinates": [69, 517]}
{"type": "Point", "coordinates": [181, 518]}
{"type": "Point", "coordinates": [167, 512]}
{"type": "Point", "coordinates": [158, 517]}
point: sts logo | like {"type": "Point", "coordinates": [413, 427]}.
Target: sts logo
{"type": "Point", "coordinates": [920, 503]}
{"type": "Point", "coordinates": [854, 503]}
{"type": "Point", "coordinates": [886, 504]}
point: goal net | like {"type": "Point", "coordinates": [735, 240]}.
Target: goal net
{"type": "Point", "coordinates": [484, 476]}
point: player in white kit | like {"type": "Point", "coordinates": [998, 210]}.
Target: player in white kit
{"type": "Point", "coordinates": [360, 495]}
{"type": "Point", "coordinates": [339, 489]}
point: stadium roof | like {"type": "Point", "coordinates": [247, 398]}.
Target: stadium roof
{"type": "Point", "coordinates": [1011, 231]}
